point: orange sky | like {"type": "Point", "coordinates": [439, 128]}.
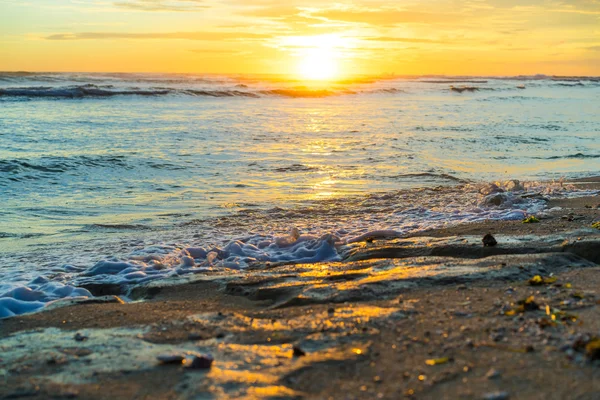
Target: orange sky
{"type": "Point", "coordinates": [479, 37]}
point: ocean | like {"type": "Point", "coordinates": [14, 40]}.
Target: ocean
{"type": "Point", "coordinates": [127, 178]}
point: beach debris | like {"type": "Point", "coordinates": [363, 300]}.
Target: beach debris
{"type": "Point", "coordinates": [79, 337]}
{"type": "Point", "coordinates": [538, 280]}
{"type": "Point", "coordinates": [493, 374]}
{"type": "Point", "coordinates": [523, 305]}
{"type": "Point", "coordinates": [298, 352]}
{"type": "Point", "coordinates": [596, 225]}
{"type": "Point", "coordinates": [438, 361]}
{"type": "Point", "coordinates": [529, 304]}
{"type": "Point", "coordinates": [592, 349]}
{"type": "Point", "coordinates": [532, 219]}
{"type": "Point", "coordinates": [489, 240]}
{"type": "Point", "coordinates": [171, 358]}
{"type": "Point", "coordinates": [201, 361]}
{"type": "Point", "coordinates": [572, 217]}
{"type": "Point", "coordinates": [497, 396]}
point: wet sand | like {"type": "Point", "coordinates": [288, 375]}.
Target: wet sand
{"type": "Point", "coordinates": [366, 328]}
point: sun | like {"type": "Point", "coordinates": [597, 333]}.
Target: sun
{"type": "Point", "coordinates": [318, 64]}
{"type": "Point", "coordinates": [318, 57]}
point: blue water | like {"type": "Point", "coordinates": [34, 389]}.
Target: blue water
{"type": "Point", "coordinates": [133, 159]}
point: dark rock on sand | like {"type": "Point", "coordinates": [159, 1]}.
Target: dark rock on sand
{"type": "Point", "coordinates": [201, 361]}
{"type": "Point", "coordinates": [489, 241]}
{"type": "Point", "coordinates": [174, 358]}
{"type": "Point", "coordinates": [298, 352]}
{"type": "Point", "coordinates": [80, 338]}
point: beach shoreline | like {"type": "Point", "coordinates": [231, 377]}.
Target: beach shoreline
{"type": "Point", "coordinates": [367, 327]}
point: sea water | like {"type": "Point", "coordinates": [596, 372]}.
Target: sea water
{"type": "Point", "coordinates": [126, 178]}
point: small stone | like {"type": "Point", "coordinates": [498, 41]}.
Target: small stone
{"type": "Point", "coordinates": [497, 336]}
{"type": "Point", "coordinates": [497, 396]}
{"type": "Point", "coordinates": [493, 374]}
{"type": "Point", "coordinates": [298, 352]}
{"type": "Point", "coordinates": [202, 361]}
{"type": "Point", "coordinates": [462, 314]}
{"type": "Point", "coordinates": [489, 241]}
{"type": "Point", "coordinates": [80, 338]}
{"type": "Point", "coordinates": [171, 358]}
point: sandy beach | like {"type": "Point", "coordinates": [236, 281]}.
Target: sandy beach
{"type": "Point", "coordinates": [434, 316]}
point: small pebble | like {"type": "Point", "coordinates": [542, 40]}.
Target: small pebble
{"type": "Point", "coordinates": [493, 374]}
{"type": "Point", "coordinates": [489, 241]}
{"type": "Point", "coordinates": [171, 358]}
{"type": "Point", "coordinates": [497, 396]}
{"type": "Point", "coordinates": [203, 361]}
{"type": "Point", "coordinates": [298, 352]}
{"type": "Point", "coordinates": [80, 338]}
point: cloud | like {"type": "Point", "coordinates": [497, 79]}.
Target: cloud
{"type": "Point", "coordinates": [403, 40]}
{"type": "Point", "coordinates": [382, 17]}
{"type": "Point", "coordinates": [164, 35]}
{"type": "Point", "coordinates": [272, 12]}
{"type": "Point", "coordinates": [162, 5]}
{"type": "Point", "coordinates": [593, 48]}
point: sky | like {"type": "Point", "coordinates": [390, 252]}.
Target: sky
{"type": "Point", "coordinates": [311, 38]}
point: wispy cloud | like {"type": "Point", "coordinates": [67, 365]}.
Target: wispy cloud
{"type": "Point", "coordinates": [162, 5]}
{"type": "Point", "coordinates": [159, 35]}
{"type": "Point", "coordinates": [381, 17]}
{"type": "Point", "coordinates": [404, 39]}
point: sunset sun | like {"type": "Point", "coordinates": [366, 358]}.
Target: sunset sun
{"type": "Point", "coordinates": [318, 64]}
{"type": "Point", "coordinates": [317, 58]}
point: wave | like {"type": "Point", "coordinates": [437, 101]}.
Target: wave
{"type": "Point", "coordinates": [467, 89]}
{"type": "Point", "coordinates": [61, 164]}
{"type": "Point", "coordinates": [18, 169]}
{"type": "Point", "coordinates": [91, 90]}
{"type": "Point", "coordinates": [449, 81]}
{"type": "Point", "coordinates": [570, 156]}
{"type": "Point", "coordinates": [296, 168]}
{"type": "Point", "coordinates": [446, 177]}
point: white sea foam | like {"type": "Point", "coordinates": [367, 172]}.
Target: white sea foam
{"type": "Point", "coordinates": [327, 225]}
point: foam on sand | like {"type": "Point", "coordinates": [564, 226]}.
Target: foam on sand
{"type": "Point", "coordinates": [319, 233]}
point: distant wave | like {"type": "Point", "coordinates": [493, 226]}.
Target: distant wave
{"type": "Point", "coordinates": [572, 156]}
{"type": "Point", "coordinates": [296, 168]}
{"type": "Point", "coordinates": [450, 81]}
{"type": "Point", "coordinates": [103, 91]}
{"type": "Point", "coordinates": [426, 175]}
{"type": "Point", "coordinates": [17, 169]}
{"type": "Point", "coordinates": [118, 227]}
{"type": "Point", "coordinates": [60, 164]}
{"type": "Point", "coordinates": [468, 89]}
{"type": "Point", "coordinates": [90, 90]}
